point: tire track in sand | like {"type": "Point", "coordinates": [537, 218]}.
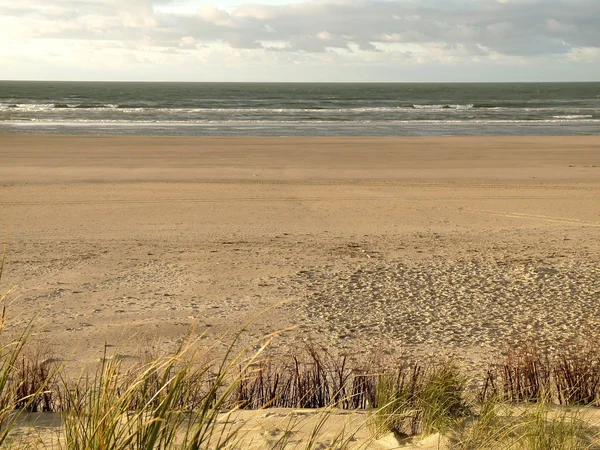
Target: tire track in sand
{"type": "Point", "coordinates": [516, 215]}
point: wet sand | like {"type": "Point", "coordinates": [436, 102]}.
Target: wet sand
{"type": "Point", "coordinates": [433, 246]}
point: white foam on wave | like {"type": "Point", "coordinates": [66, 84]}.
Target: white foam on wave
{"type": "Point", "coordinates": [54, 106]}
{"type": "Point", "coordinates": [447, 106]}
{"type": "Point", "coordinates": [250, 122]}
{"type": "Point", "coordinates": [32, 106]}
{"type": "Point", "coordinates": [273, 110]}
{"type": "Point", "coordinates": [574, 116]}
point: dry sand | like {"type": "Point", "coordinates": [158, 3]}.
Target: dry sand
{"type": "Point", "coordinates": [433, 246]}
{"type": "Point", "coordinates": [269, 429]}
{"type": "Point", "coordinates": [257, 430]}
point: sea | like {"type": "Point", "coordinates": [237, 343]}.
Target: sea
{"type": "Point", "coordinates": [299, 109]}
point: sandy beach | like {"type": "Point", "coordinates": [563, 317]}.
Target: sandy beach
{"type": "Point", "coordinates": [433, 246]}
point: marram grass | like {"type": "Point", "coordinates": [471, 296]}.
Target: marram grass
{"type": "Point", "coordinates": [181, 401]}
{"type": "Point", "coordinates": [541, 426]}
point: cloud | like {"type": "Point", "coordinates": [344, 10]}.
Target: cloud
{"type": "Point", "coordinates": [333, 31]}
{"type": "Point", "coordinates": [510, 27]}
{"type": "Point", "coordinates": [216, 16]}
{"type": "Point", "coordinates": [585, 54]}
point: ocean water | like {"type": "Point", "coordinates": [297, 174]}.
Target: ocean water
{"type": "Point", "coordinates": [269, 109]}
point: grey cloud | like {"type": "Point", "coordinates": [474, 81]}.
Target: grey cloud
{"type": "Point", "coordinates": [517, 28]}
{"type": "Point", "coordinates": [511, 27]}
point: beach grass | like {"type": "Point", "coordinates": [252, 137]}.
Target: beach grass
{"type": "Point", "coordinates": [419, 400]}
{"type": "Point", "coordinates": [541, 426]}
{"type": "Point", "coordinates": [185, 400]}
{"type": "Point", "coordinates": [177, 402]}
{"type": "Point", "coordinates": [19, 389]}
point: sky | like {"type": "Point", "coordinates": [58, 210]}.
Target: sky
{"type": "Point", "coordinates": [301, 40]}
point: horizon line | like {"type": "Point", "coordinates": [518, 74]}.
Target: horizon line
{"type": "Point", "coordinates": [289, 82]}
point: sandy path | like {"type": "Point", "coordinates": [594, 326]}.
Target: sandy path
{"type": "Point", "coordinates": [434, 245]}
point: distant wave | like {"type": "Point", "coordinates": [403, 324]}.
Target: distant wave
{"type": "Point", "coordinates": [47, 106]}
{"type": "Point", "coordinates": [553, 112]}
{"type": "Point", "coordinates": [168, 110]}
{"type": "Point", "coordinates": [134, 123]}
{"type": "Point", "coordinates": [95, 106]}
{"type": "Point", "coordinates": [161, 108]}
{"type": "Point", "coordinates": [27, 106]}
{"type": "Point", "coordinates": [574, 116]}
{"type": "Point", "coordinates": [467, 106]}
{"type": "Point", "coordinates": [96, 111]}
{"type": "Point", "coordinates": [85, 105]}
